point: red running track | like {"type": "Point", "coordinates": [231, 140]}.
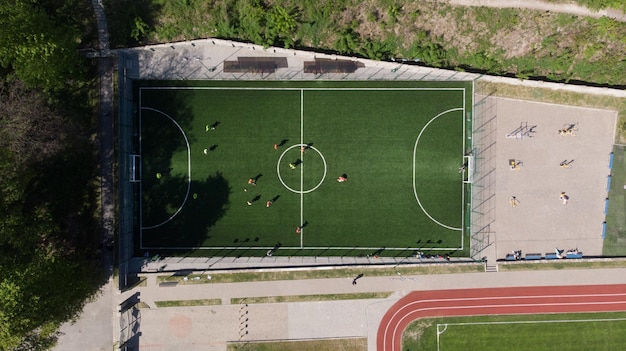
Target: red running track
{"type": "Point", "coordinates": [495, 301]}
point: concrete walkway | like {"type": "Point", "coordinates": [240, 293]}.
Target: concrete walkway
{"type": "Point", "coordinates": [211, 327]}
{"type": "Point", "coordinates": [93, 331]}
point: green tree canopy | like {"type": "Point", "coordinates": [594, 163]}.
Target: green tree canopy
{"type": "Point", "coordinates": [41, 51]}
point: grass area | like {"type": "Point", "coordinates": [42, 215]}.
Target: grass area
{"type": "Point", "coordinates": [142, 304]}
{"type": "Point", "coordinates": [551, 265]}
{"type": "Point", "coordinates": [355, 344]}
{"type": "Point", "coordinates": [309, 298]}
{"type": "Point", "coordinates": [519, 42]}
{"type": "Point", "coordinates": [576, 331]}
{"type": "Point", "coordinates": [399, 143]}
{"type": "Point", "coordinates": [347, 273]}
{"type": "Point", "coordinates": [615, 240]}
{"type": "Point", "coordinates": [185, 303]}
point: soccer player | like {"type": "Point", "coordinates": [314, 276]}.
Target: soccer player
{"type": "Point", "coordinates": [268, 203]}
{"type": "Point", "coordinates": [342, 178]}
{"type": "Point", "coordinates": [252, 181]}
{"type": "Point", "coordinates": [564, 198]}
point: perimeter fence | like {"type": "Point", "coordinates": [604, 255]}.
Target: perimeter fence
{"type": "Point", "coordinates": [483, 189]}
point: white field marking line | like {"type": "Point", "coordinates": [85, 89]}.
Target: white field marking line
{"type": "Point", "coordinates": [485, 298]}
{"type": "Point", "coordinates": [522, 322]}
{"type": "Point", "coordinates": [280, 178]}
{"type": "Point", "coordinates": [540, 322]}
{"type": "Point", "coordinates": [441, 331]}
{"type": "Point", "coordinates": [445, 326]}
{"type": "Point", "coordinates": [395, 329]}
{"type": "Point", "coordinates": [188, 168]}
{"type": "Point", "coordinates": [297, 89]}
{"type": "Point", "coordinates": [427, 260]}
{"type": "Point", "coordinates": [302, 168]}
{"type": "Point", "coordinates": [414, 153]}
{"type": "Point", "coordinates": [463, 152]}
{"type": "Point", "coordinates": [301, 90]}
{"type": "Point", "coordinates": [141, 182]}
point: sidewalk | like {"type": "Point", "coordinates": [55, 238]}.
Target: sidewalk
{"type": "Point", "coordinates": [211, 327]}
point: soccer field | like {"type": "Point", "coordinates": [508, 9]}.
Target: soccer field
{"type": "Point", "coordinates": [400, 144]}
{"type": "Point", "coordinates": [577, 331]}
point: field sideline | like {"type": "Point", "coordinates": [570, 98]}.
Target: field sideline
{"type": "Point", "coordinates": [400, 145]}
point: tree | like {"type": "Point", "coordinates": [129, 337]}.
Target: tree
{"type": "Point", "coordinates": [281, 27]}
{"type": "Point", "coordinates": [41, 51]}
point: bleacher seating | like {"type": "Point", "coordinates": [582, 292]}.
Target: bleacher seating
{"type": "Point", "coordinates": [576, 254]}
{"type": "Point", "coordinates": [532, 256]}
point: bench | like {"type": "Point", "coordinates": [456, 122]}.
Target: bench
{"type": "Point", "coordinates": [552, 256]}
{"type": "Point", "coordinates": [320, 66]}
{"type": "Point", "coordinates": [533, 256]}
{"type": "Point", "coordinates": [510, 257]}
{"type": "Point", "coordinates": [167, 284]}
{"type": "Point", "coordinates": [255, 65]}
{"type": "Point", "coordinates": [574, 255]}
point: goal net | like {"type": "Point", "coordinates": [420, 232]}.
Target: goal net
{"type": "Point", "coordinates": [469, 174]}
{"type": "Point", "coordinates": [135, 168]}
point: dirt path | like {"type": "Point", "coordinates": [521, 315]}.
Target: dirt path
{"type": "Point", "coordinates": [495, 301]}
{"type": "Point", "coordinates": [542, 6]}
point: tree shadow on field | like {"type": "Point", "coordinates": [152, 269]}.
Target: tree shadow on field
{"type": "Point", "coordinates": [206, 203]}
{"type": "Point", "coordinates": [163, 186]}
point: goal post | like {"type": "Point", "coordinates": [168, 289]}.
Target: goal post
{"type": "Point", "coordinates": [469, 175]}
{"type": "Point", "coordinates": [135, 168]}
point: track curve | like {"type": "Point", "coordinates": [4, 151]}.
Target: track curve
{"type": "Point", "coordinates": [495, 301]}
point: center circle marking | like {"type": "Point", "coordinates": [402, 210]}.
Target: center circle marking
{"type": "Point", "coordinates": [281, 178]}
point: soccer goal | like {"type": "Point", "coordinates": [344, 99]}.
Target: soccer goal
{"type": "Point", "coordinates": [469, 161]}
{"type": "Point", "coordinates": [135, 168]}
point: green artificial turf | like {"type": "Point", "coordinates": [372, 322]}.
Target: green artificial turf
{"type": "Point", "coordinates": [615, 240]}
{"type": "Point", "coordinates": [369, 134]}
{"type": "Point", "coordinates": [581, 331]}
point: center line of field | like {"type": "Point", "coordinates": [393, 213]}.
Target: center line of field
{"type": "Point", "coordinates": [301, 166]}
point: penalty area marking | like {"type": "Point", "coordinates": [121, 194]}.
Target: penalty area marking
{"type": "Point", "coordinates": [188, 168]}
{"type": "Point", "coordinates": [281, 179]}
{"type": "Point", "coordinates": [414, 154]}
